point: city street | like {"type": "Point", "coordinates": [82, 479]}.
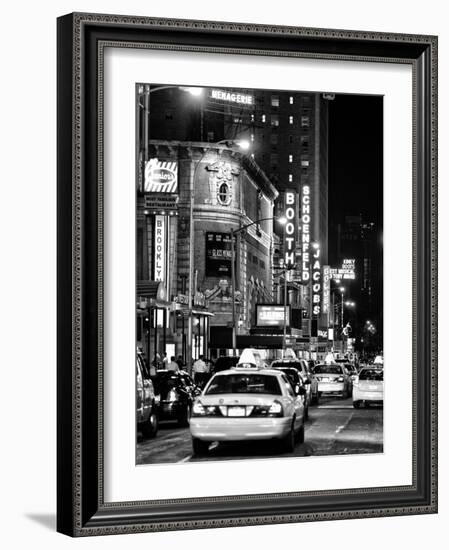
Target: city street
{"type": "Point", "coordinates": [334, 427]}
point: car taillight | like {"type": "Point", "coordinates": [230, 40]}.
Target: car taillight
{"type": "Point", "coordinates": [275, 409]}
{"type": "Point", "coordinates": [172, 395]}
{"type": "Point", "coordinates": [199, 409]}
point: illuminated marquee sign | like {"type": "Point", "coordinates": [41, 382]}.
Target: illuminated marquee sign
{"type": "Point", "coordinates": [347, 270]}
{"type": "Point", "coordinates": [272, 315]}
{"type": "Point", "coordinates": [161, 176]}
{"type": "Point", "coordinates": [316, 282]}
{"type": "Point", "coordinates": [160, 248]}
{"type": "Point", "coordinates": [290, 229]}
{"type": "Point", "coordinates": [232, 97]}
{"type": "Point", "coordinates": [305, 232]}
{"type": "Point", "coordinates": [326, 289]}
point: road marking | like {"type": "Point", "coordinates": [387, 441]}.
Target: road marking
{"type": "Point", "coordinates": [345, 425]}
{"type": "Point", "coordinates": [185, 459]}
{"type": "Point", "coordinates": [335, 407]}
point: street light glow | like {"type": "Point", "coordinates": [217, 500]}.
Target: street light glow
{"type": "Point", "coordinates": [243, 144]}
{"type": "Point", "coordinates": [342, 289]}
{"type": "Point", "coordinates": [195, 91]}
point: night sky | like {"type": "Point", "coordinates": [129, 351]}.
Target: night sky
{"type": "Point", "coordinates": [356, 158]}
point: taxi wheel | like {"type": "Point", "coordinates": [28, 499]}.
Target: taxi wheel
{"type": "Point", "coordinates": [199, 447]}
{"type": "Point", "coordinates": [300, 435]}
{"type": "Point", "coordinates": [149, 429]}
{"type": "Point", "coordinates": [288, 443]}
{"type": "Point", "coordinates": [184, 419]}
{"type": "Point", "coordinates": [306, 413]}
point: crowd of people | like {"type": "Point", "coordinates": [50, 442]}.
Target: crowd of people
{"type": "Point", "coordinates": [201, 369]}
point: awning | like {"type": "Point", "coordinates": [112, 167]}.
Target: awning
{"type": "Point", "coordinates": [153, 291]}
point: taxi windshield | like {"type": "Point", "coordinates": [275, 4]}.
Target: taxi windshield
{"type": "Point", "coordinates": [244, 383]}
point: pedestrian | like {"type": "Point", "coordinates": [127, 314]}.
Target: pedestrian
{"type": "Point", "coordinates": [156, 364]}
{"type": "Point", "coordinates": [200, 371]}
{"type": "Point", "coordinates": [180, 362]}
{"type": "Point", "coordinates": [173, 365]}
{"type": "Point", "coordinates": [165, 360]}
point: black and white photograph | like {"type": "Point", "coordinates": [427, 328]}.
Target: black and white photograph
{"type": "Point", "coordinates": [259, 273]}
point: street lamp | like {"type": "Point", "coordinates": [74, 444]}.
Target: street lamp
{"type": "Point", "coordinates": [282, 220]}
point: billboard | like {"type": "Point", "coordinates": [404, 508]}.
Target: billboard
{"type": "Point", "coordinates": [161, 176]}
{"type": "Point", "coordinates": [272, 315]}
{"type": "Point", "coordinates": [346, 271]}
{"type": "Point", "coordinates": [218, 254]}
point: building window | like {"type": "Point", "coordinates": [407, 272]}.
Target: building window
{"type": "Point", "coordinates": [252, 137]}
{"type": "Point", "coordinates": [304, 163]}
{"type": "Point", "coordinates": [305, 121]}
{"type": "Point", "coordinates": [305, 142]}
{"type": "Point", "coordinates": [275, 101]}
{"type": "Point", "coordinates": [262, 264]}
{"type": "Point", "coordinates": [290, 158]}
{"type": "Point", "coordinates": [252, 118]}
{"type": "Point", "coordinates": [224, 194]}
{"type": "Point", "coordinates": [169, 115]}
{"type": "Point", "coordinates": [210, 137]}
{"type": "Point", "coordinates": [255, 260]}
{"type": "Point", "coordinates": [290, 139]}
{"type": "Point", "coordinates": [275, 121]}
{"type": "Point", "coordinates": [291, 100]}
{"type": "Point", "coordinates": [274, 138]}
{"type": "Point", "coordinates": [274, 161]}
{"type": "Point", "coordinates": [290, 119]}
{"type": "Point", "coordinates": [264, 118]}
{"type": "Point", "coordinates": [290, 178]}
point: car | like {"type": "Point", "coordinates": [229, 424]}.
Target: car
{"type": "Point", "coordinates": [297, 381]}
{"type": "Point", "coordinates": [146, 408]}
{"type": "Point", "coordinates": [225, 362]}
{"type": "Point", "coordinates": [248, 403]}
{"type": "Point", "coordinates": [368, 387]}
{"type": "Point", "coordinates": [304, 370]}
{"type": "Point", "coordinates": [176, 392]}
{"type": "Point", "coordinates": [332, 378]}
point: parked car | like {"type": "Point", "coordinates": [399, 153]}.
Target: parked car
{"type": "Point", "coordinates": [369, 387]}
{"type": "Point", "coordinates": [146, 408]}
{"type": "Point", "coordinates": [246, 403]}
{"type": "Point", "coordinates": [176, 391]}
{"type": "Point", "coordinates": [296, 381]}
{"type": "Point", "coordinates": [309, 380]}
{"type": "Point", "coordinates": [333, 378]}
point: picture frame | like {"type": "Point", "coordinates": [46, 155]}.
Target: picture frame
{"type": "Point", "coordinates": [81, 507]}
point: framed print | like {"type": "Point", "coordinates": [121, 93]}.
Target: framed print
{"type": "Point", "coordinates": [247, 283]}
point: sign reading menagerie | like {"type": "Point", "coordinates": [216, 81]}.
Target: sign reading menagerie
{"type": "Point", "coordinates": [232, 97]}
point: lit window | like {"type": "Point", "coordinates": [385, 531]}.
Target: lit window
{"type": "Point", "coordinates": [252, 118]}
{"type": "Point", "coordinates": [264, 118]}
{"type": "Point", "coordinates": [290, 119]}
{"type": "Point", "coordinates": [291, 100]}
{"type": "Point", "coordinates": [304, 163]}
{"type": "Point", "coordinates": [290, 178]}
{"type": "Point", "coordinates": [305, 121]}
{"type": "Point", "coordinates": [274, 120]}
{"type": "Point", "coordinates": [275, 101]}
{"type": "Point", "coordinates": [224, 194]}
{"type": "Point", "coordinates": [252, 137]}
{"type": "Point", "coordinates": [290, 158]}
